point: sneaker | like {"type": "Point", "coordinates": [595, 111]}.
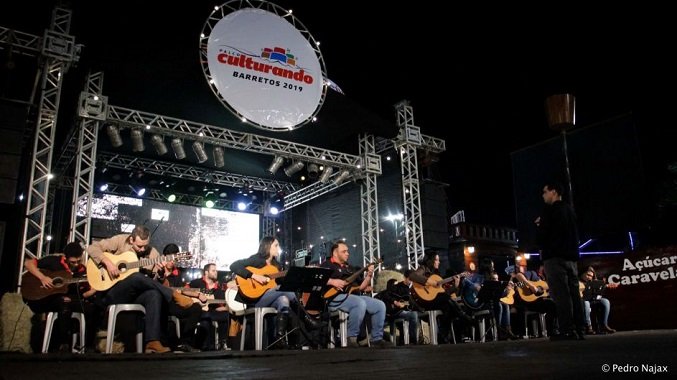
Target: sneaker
{"type": "Point", "coordinates": [382, 343]}
{"type": "Point", "coordinates": [352, 342]}
{"type": "Point", "coordinates": [155, 346]}
{"type": "Point", "coordinates": [65, 348]}
{"type": "Point", "coordinates": [568, 336]}
{"type": "Point", "coordinates": [186, 348]}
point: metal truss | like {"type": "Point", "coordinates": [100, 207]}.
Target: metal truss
{"type": "Point", "coordinates": [219, 136]}
{"type": "Point", "coordinates": [60, 52]}
{"type": "Point", "coordinates": [409, 140]}
{"type": "Point", "coordinates": [369, 206]}
{"type": "Point", "coordinates": [92, 109]}
{"type": "Point", "coordinates": [428, 143]}
{"type": "Point", "coordinates": [186, 199]}
{"type": "Point", "coordinates": [167, 169]}
{"type": "Point", "coordinates": [268, 226]}
{"type": "Point", "coordinates": [19, 42]}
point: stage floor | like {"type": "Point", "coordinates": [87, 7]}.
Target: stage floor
{"type": "Point", "coordinates": [639, 352]}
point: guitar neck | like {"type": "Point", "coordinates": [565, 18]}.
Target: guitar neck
{"type": "Point", "coordinates": [156, 260]}
{"type": "Point", "coordinates": [277, 275]}
{"type": "Point", "coordinates": [357, 274]}
{"type": "Point", "coordinates": [446, 280]}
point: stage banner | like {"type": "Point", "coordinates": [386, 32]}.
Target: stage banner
{"type": "Point", "coordinates": [264, 69]}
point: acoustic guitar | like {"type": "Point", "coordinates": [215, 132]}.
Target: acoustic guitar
{"type": "Point", "coordinates": [527, 295]}
{"type": "Point", "coordinates": [349, 288]}
{"type": "Point", "coordinates": [32, 289]}
{"type": "Point", "coordinates": [127, 263]}
{"type": "Point", "coordinates": [194, 297]}
{"type": "Point", "coordinates": [253, 290]}
{"type": "Point", "coordinates": [509, 299]}
{"type": "Point", "coordinates": [429, 292]}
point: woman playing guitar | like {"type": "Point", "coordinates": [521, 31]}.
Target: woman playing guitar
{"type": "Point", "coordinates": [258, 273]}
{"type": "Point", "coordinates": [427, 278]}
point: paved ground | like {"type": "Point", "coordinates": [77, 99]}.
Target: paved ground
{"type": "Point", "coordinates": [639, 352]}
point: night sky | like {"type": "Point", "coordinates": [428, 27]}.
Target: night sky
{"type": "Point", "coordinates": [476, 76]}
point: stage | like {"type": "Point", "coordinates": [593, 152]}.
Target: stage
{"type": "Point", "coordinates": [638, 353]}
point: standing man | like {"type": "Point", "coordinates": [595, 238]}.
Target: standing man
{"type": "Point", "coordinates": [558, 239]}
{"type": "Point", "coordinates": [357, 307]}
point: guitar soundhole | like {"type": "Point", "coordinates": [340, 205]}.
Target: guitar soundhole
{"type": "Point", "coordinates": [122, 267]}
{"type": "Point", "coordinates": [57, 282]}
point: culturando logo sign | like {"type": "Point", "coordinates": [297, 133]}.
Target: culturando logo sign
{"type": "Point", "coordinates": [264, 69]}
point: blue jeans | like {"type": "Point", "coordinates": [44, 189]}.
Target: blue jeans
{"type": "Point", "coordinates": [606, 308]}
{"type": "Point", "coordinates": [412, 318]}
{"type": "Point", "coordinates": [357, 307]}
{"type": "Point", "coordinates": [277, 299]}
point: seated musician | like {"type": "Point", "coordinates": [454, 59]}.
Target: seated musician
{"type": "Point", "coordinates": [442, 301]}
{"type": "Point", "coordinates": [527, 279]}
{"type": "Point", "coordinates": [136, 288]}
{"type": "Point", "coordinates": [590, 299]}
{"type": "Point", "coordinates": [269, 251]}
{"type": "Point", "coordinates": [75, 298]}
{"type": "Point", "coordinates": [501, 311]}
{"type": "Point", "coordinates": [399, 305]}
{"type": "Point", "coordinates": [208, 287]}
{"type": "Point", "coordinates": [356, 306]}
{"type": "Point", "coordinates": [168, 275]}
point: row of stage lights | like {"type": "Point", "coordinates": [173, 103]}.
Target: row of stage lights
{"type": "Point", "coordinates": [161, 148]}
{"type": "Point", "coordinates": [313, 170]}
{"type": "Point", "coordinates": [219, 156]}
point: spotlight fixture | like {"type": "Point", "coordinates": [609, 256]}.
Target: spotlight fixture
{"type": "Point", "coordinates": [341, 177]}
{"type": "Point", "coordinates": [199, 150]}
{"type": "Point", "coordinates": [277, 162]}
{"type": "Point", "coordinates": [293, 168]}
{"type": "Point", "coordinates": [114, 136]}
{"type": "Point", "coordinates": [313, 171]}
{"type": "Point", "coordinates": [177, 147]}
{"type": "Point", "coordinates": [137, 140]}
{"type": "Point", "coordinates": [159, 144]}
{"type": "Point", "coordinates": [171, 198]}
{"type": "Point", "coordinates": [219, 159]}
{"type": "Point", "coordinates": [326, 173]}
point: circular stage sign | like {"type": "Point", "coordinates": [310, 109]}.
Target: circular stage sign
{"type": "Point", "coordinates": [263, 68]}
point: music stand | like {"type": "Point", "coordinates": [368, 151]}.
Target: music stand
{"type": "Point", "coordinates": [490, 293]}
{"type": "Point", "coordinates": [304, 280]}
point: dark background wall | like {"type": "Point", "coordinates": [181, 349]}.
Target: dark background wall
{"type": "Point", "coordinates": [608, 181]}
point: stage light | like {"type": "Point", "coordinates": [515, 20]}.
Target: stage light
{"type": "Point", "coordinates": [341, 177]}
{"type": "Point", "coordinates": [141, 192]}
{"type": "Point", "coordinates": [159, 144]}
{"type": "Point", "coordinates": [219, 158]}
{"type": "Point", "coordinates": [171, 198]}
{"type": "Point", "coordinates": [241, 206]}
{"type": "Point", "coordinates": [326, 173]}
{"type": "Point", "coordinates": [273, 210]}
{"type": "Point", "coordinates": [199, 150]}
{"type": "Point", "coordinates": [103, 187]}
{"type": "Point", "coordinates": [114, 136]}
{"type": "Point", "coordinates": [313, 170]}
{"type": "Point", "coordinates": [177, 147]}
{"type": "Point", "coordinates": [137, 140]}
{"type": "Point", "coordinates": [275, 165]}
{"type": "Point", "coordinates": [209, 203]}
{"type": "Point", "coordinates": [293, 168]}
